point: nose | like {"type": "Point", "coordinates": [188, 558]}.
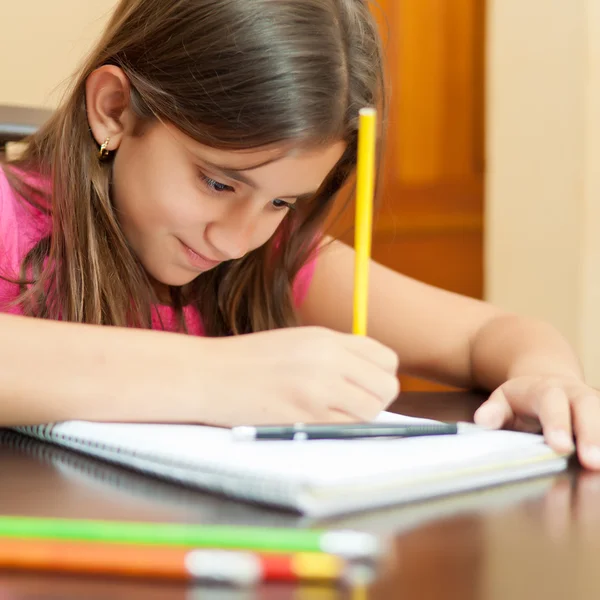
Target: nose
{"type": "Point", "coordinates": [232, 234]}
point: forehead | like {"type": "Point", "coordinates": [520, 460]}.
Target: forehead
{"type": "Point", "coordinates": [276, 158]}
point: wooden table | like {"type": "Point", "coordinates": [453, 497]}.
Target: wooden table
{"type": "Point", "coordinates": [536, 539]}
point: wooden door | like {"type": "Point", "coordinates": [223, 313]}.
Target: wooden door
{"type": "Point", "coordinates": [429, 220]}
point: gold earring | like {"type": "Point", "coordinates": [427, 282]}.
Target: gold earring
{"type": "Point", "coordinates": [103, 154]}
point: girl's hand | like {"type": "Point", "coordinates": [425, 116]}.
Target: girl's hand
{"type": "Point", "coordinates": [562, 407]}
{"type": "Point", "coordinates": [304, 374]}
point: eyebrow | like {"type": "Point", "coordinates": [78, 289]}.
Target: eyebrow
{"type": "Point", "coordinates": [235, 174]}
{"type": "Point", "coordinates": [238, 175]}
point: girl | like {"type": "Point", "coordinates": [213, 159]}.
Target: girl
{"type": "Point", "coordinates": [182, 186]}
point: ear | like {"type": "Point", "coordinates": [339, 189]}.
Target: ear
{"type": "Point", "coordinates": [108, 104]}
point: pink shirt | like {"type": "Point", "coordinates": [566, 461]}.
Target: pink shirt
{"type": "Point", "coordinates": [21, 228]}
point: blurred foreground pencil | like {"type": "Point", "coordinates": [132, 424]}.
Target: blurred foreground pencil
{"type": "Point", "coordinates": [201, 565]}
{"type": "Point", "coordinates": [344, 543]}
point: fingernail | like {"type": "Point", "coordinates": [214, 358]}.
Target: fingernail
{"type": "Point", "coordinates": [489, 416]}
{"type": "Point", "coordinates": [561, 439]}
{"type": "Point", "coordinates": [591, 455]}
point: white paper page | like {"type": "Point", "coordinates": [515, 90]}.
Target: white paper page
{"type": "Point", "coordinates": [389, 417]}
{"type": "Point", "coordinates": [317, 461]}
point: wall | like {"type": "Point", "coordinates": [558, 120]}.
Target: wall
{"type": "Point", "coordinates": [543, 165]}
{"type": "Point", "coordinates": [41, 44]}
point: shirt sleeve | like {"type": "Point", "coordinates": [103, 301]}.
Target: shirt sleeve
{"type": "Point", "coordinates": [8, 245]}
{"type": "Point", "coordinates": [304, 279]}
{"type": "Point", "coordinates": [7, 224]}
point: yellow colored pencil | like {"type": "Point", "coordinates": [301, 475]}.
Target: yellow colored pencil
{"type": "Point", "coordinates": [365, 189]}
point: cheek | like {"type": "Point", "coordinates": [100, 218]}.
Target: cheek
{"type": "Point", "coordinates": [175, 208]}
{"type": "Point", "coordinates": [148, 198]}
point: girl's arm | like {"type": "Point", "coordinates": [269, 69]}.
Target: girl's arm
{"type": "Point", "coordinates": [461, 341]}
{"type": "Point", "coordinates": [437, 334]}
{"type": "Point", "coordinates": [53, 371]}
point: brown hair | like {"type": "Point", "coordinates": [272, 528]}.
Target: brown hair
{"type": "Point", "coordinates": [232, 74]}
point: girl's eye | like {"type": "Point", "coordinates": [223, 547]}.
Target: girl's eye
{"type": "Point", "coordinates": [281, 204]}
{"type": "Point", "coordinates": [215, 186]}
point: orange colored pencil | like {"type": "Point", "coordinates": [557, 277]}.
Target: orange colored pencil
{"type": "Point", "coordinates": [225, 566]}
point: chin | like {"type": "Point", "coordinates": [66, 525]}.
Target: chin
{"type": "Point", "coordinates": [173, 278]}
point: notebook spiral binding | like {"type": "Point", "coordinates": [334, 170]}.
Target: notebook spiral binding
{"type": "Point", "coordinates": [124, 479]}
{"type": "Point", "coordinates": [212, 478]}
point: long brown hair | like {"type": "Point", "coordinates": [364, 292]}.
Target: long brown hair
{"type": "Point", "coordinates": [231, 74]}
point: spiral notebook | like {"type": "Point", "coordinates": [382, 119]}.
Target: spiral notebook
{"type": "Point", "coordinates": [315, 478]}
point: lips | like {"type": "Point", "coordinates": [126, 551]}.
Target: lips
{"type": "Point", "coordinates": [199, 261]}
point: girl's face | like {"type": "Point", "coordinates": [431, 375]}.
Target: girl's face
{"type": "Point", "coordinates": [185, 207]}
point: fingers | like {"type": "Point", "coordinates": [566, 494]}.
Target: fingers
{"type": "Point", "coordinates": [496, 411]}
{"type": "Point", "coordinates": [560, 410]}
{"type": "Point", "coordinates": [341, 376]}
{"type": "Point", "coordinates": [586, 419]}
{"type": "Point", "coordinates": [363, 363]}
{"type": "Point", "coordinates": [356, 403]}
{"type": "Point", "coordinates": [340, 401]}
{"type": "Point", "coordinates": [382, 385]}
{"type": "Point", "coordinates": [554, 412]}
{"type": "Point", "coordinates": [339, 416]}
{"type": "Point", "coordinates": [373, 351]}
{"type": "Point", "coordinates": [548, 405]}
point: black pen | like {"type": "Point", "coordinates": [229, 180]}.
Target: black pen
{"type": "Point", "coordinates": [301, 432]}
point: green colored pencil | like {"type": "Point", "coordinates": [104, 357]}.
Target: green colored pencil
{"type": "Point", "coordinates": [345, 543]}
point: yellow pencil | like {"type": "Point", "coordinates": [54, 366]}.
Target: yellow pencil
{"type": "Point", "coordinates": [365, 188]}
